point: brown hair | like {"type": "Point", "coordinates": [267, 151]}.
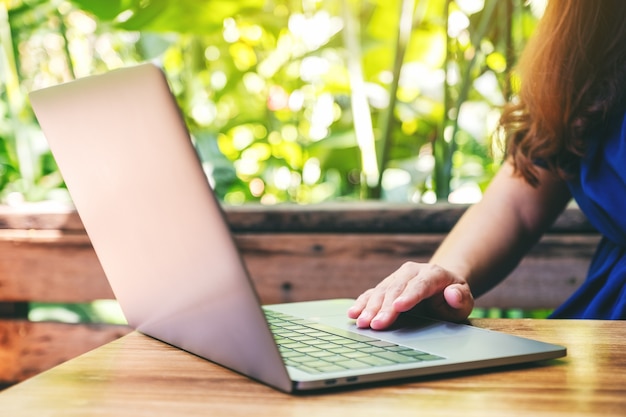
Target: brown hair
{"type": "Point", "coordinates": [573, 78]}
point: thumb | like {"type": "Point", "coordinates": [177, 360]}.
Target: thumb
{"type": "Point", "coordinates": [459, 297]}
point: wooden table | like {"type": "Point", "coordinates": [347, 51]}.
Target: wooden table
{"type": "Point", "coordinates": [138, 376]}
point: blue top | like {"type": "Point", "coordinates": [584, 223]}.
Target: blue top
{"type": "Point", "coordinates": [600, 191]}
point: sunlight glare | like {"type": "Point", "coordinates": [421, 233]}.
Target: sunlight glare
{"type": "Point", "coordinates": [395, 178]}
{"type": "Point", "coordinates": [316, 30]}
{"type": "Point", "coordinates": [313, 68]}
{"type": "Point", "coordinates": [471, 6]}
{"type": "Point", "coordinates": [538, 7]}
{"type": "Point", "coordinates": [82, 22]}
{"type": "Point", "coordinates": [218, 80]}
{"type": "Point", "coordinates": [289, 133]}
{"type": "Point", "coordinates": [311, 171]}
{"type": "Point", "coordinates": [457, 23]}
{"type": "Point", "coordinates": [429, 197]}
{"type": "Point", "coordinates": [246, 167]}
{"type": "Point", "coordinates": [212, 53]}
{"type": "Point", "coordinates": [242, 137]}
{"type": "Point", "coordinates": [231, 32]}
{"type": "Point", "coordinates": [204, 113]}
{"type": "Point", "coordinates": [487, 84]}
{"type": "Point", "coordinates": [296, 100]}
{"type": "Point", "coordinates": [467, 193]}
{"type": "Point", "coordinates": [253, 83]}
{"type": "Point", "coordinates": [322, 116]}
{"type": "Point", "coordinates": [282, 178]}
{"type": "Point", "coordinates": [257, 187]}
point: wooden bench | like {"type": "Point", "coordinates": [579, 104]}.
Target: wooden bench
{"type": "Point", "coordinates": [293, 253]}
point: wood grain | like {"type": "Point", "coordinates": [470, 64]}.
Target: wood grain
{"type": "Point", "coordinates": [293, 253]}
{"type": "Point", "coordinates": [357, 217]}
{"type": "Point", "coordinates": [291, 267]}
{"type": "Point", "coordinates": [138, 376]}
{"type": "Point", "coordinates": [28, 348]}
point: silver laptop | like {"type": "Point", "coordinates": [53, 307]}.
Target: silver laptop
{"type": "Point", "coordinates": [163, 242]}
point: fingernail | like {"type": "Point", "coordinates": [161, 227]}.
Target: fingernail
{"type": "Point", "coordinates": [353, 312]}
{"type": "Point", "coordinates": [363, 320]}
{"type": "Point", "coordinates": [380, 317]}
{"type": "Point", "coordinates": [365, 316]}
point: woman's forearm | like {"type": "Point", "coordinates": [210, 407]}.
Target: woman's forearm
{"type": "Point", "coordinates": [493, 235]}
{"type": "Point", "coordinates": [482, 248]}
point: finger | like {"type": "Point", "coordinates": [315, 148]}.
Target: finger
{"type": "Point", "coordinates": [386, 314]}
{"type": "Point", "coordinates": [459, 300]}
{"type": "Point", "coordinates": [379, 307]}
{"type": "Point", "coordinates": [359, 304]}
{"type": "Point", "coordinates": [456, 296]}
{"type": "Point", "coordinates": [455, 303]}
{"type": "Point", "coordinates": [392, 287]}
{"type": "Point", "coordinates": [384, 319]}
{"type": "Point", "coordinates": [374, 302]}
{"type": "Point", "coordinates": [378, 299]}
{"type": "Point", "coordinates": [430, 281]}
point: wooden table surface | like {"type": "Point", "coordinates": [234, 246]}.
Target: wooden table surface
{"type": "Point", "coordinates": [138, 376]}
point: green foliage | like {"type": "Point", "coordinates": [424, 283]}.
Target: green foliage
{"type": "Point", "coordinates": [101, 311]}
{"type": "Point", "coordinates": [510, 313]}
{"type": "Point", "coordinates": [300, 101]}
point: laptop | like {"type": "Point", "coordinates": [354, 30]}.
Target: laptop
{"type": "Point", "coordinates": [160, 234]}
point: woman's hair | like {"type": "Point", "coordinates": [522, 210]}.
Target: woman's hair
{"type": "Point", "coordinates": [573, 78]}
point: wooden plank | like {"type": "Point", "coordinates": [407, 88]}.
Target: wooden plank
{"type": "Point", "coordinates": [352, 217]}
{"type": "Point", "coordinates": [547, 276]}
{"type": "Point", "coordinates": [28, 348]}
{"type": "Point", "coordinates": [40, 216]}
{"type": "Point", "coordinates": [369, 217]}
{"type": "Point", "coordinates": [294, 267]}
{"type": "Point", "coordinates": [302, 267]}
{"type": "Point", "coordinates": [39, 265]}
{"type": "Point", "coordinates": [294, 253]}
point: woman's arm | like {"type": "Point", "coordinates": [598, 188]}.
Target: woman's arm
{"type": "Point", "coordinates": [484, 247]}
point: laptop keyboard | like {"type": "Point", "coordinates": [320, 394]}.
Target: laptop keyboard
{"type": "Point", "coordinates": [315, 348]}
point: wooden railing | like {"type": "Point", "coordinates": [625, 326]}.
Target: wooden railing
{"type": "Point", "coordinates": [293, 253]}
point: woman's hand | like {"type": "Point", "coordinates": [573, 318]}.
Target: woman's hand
{"type": "Point", "coordinates": [435, 291]}
{"type": "Point", "coordinates": [507, 222]}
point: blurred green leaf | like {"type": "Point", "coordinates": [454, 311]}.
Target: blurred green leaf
{"type": "Point", "coordinates": [180, 16]}
{"type": "Point", "coordinates": [277, 71]}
